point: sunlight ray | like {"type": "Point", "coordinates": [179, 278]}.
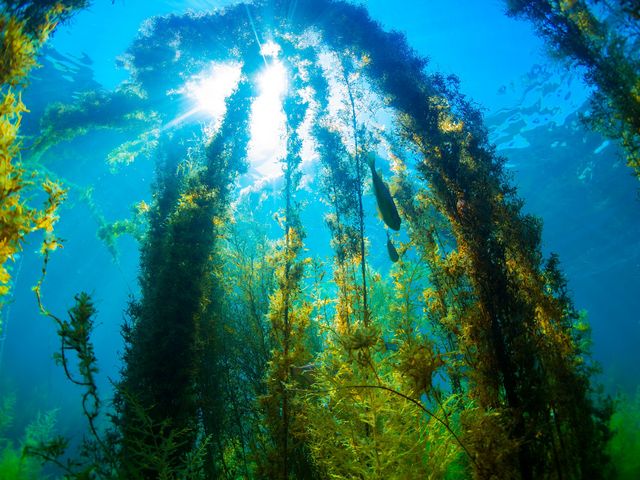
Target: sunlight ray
{"type": "Point", "coordinates": [268, 122]}
{"type": "Point", "coordinates": [207, 93]}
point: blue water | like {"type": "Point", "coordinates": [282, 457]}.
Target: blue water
{"type": "Point", "coordinates": [572, 178]}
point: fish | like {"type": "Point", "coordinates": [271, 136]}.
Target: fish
{"type": "Point", "coordinates": [393, 253]}
{"type": "Point", "coordinates": [386, 205]}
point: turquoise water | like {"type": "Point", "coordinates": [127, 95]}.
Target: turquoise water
{"type": "Point", "coordinates": [572, 178]}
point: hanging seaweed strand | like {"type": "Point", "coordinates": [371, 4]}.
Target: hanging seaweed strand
{"type": "Point", "coordinates": [357, 155]}
{"type": "Point", "coordinates": [289, 316]}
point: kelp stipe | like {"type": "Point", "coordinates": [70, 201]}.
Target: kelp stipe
{"type": "Point", "coordinates": [286, 450]}
{"type": "Point", "coordinates": [97, 453]}
{"type": "Point", "coordinates": [163, 362]}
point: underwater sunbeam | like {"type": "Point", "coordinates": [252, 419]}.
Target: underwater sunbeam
{"type": "Point", "coordinates": [268, 121]}
{"type": "Point", "coordinates": [208, 91]}
{"type": "Point", "coordinates": [273, 81]}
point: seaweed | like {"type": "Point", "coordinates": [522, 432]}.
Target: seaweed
{"type": "Point", "coordinates": [602, 38]}
{"type": "Point", "coordinates": [24, 27]}
{"type": "Point", "coordinates": [286, 450]}
{"type": "Point", "coordinates": [464, 358]}
{"type": "Point", "coordinates": [15, 462]}
{"type": "Point", "coordinates": [624, 444]}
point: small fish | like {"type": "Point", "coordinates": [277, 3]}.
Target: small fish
{"type": "Point", "coordinates": [393, 253]}
{"type": "Point", "coordinates": [386, 205]}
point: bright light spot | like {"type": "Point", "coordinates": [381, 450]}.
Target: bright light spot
{"type": "Point", "coordinates": [208, 91]}
{"type": "Point", "coordinates": [273, 82]}
{"type": "Point", "coordinates": [270, 49]}
{"type": "Point", "coordinates": [268, 122]}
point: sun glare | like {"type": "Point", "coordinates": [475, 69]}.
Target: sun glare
{"type": "Point", "coordinates": [270, 49]}
{"type": "Point", "coordinates": [268, 121]}
{"type": "Point", "coordinates": [209, 91]}
{"type": "Point", "coordinates": [273, 81]}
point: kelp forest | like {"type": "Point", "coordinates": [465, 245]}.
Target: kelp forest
{"type": "Point", "coordinates": [382, 312]}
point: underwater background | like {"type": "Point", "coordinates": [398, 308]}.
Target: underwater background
{"type": "Point", "coordinates": [571, 177]}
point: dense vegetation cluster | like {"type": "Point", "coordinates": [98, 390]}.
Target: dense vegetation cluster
{"type": "Point", "coordinates": [249, 357]}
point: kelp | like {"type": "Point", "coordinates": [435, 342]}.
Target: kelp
{"type": "Point", "coordinates": [76, 357]}
{"type": "Point", "coordinates": [124, 109]}
{"type": "Point", "coordinates": [168, 321]}
{"type": "Point", "coordinates": [602, 38]}
{"type": "Point", "coordinates": [135, 226]}
{"type": "Point", "coordinates": [286, 450]}
{"type": "Point", "coordinates": [100, 454]}
{"type": "Point", "coordinates": [238, 348]}
{"type": "Point", "coordinates": [15, 461]}
{"type": "Point", "coordinates": [365, 409]}
{"type": "Point", "coordinates": [465, 358]}
{"type": "Point", "coordinates": [24, 27]}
